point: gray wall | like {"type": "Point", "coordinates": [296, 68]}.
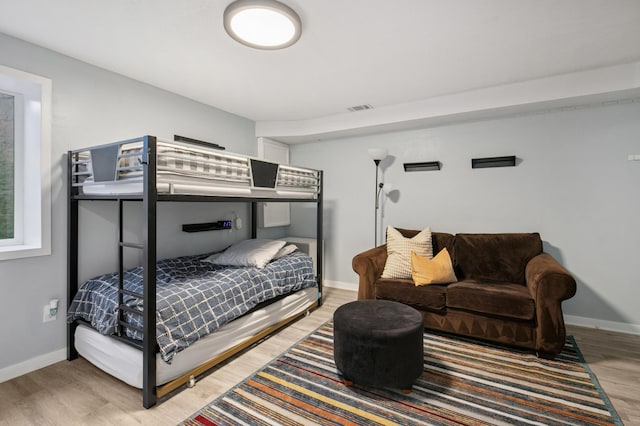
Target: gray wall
{"type": "Point", "coordinates": [573, 184]}
{"type": "Point", "coordinates": [92, 106]}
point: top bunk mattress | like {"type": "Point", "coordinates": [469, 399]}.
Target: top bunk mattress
{"type": "Point", "coordinates": [187, 169]}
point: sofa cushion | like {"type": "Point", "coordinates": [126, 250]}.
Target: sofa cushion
{"type": "Point", "coordinates": [430, 297]}
{"type": "Point", "coordinates": [439, 240]}
{"type": "Point", "coordinates": [494, 257]}
{"type": "Point", "coordinates": [399, 248]}
{"type": "Point", "coordinates": [438, 270]}
{"type": "Point", "coordinates": [498, 299]}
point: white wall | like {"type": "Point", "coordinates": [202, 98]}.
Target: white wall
{"type": "Point", "coordinates": [92, 106]}
{"type": "Point", "coordinates": [573, 184]}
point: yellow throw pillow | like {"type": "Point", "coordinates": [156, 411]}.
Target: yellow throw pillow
{"type": "Point", "coordinates": [438, 270]}
{"type": "Point", "coordinates": [399, 250]}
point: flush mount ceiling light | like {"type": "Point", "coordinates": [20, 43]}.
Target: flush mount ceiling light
{"type": "Point", "coordinates": [262, 24]}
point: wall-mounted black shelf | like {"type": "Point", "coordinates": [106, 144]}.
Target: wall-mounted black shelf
{"type": "Point", "coordinates": [481, 163]}
{"type": "Point", "coordinates": [179, 138]}
{"type": "Point", "coordinates": [210, 226]}
{"type": "Point", "coordinates": [422, 167]}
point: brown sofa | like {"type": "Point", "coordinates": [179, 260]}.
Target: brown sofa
{"type": "Point", "coordinates": [508, 290]}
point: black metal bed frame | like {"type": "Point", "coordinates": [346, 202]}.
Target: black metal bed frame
{"type": "Point", "coordinates": [150, 199]}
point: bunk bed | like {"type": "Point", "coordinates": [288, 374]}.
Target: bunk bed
{"type": "Point", "coordinates": [149, 170]}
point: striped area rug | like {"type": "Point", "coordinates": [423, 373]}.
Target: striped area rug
{"type": "Point", "coordinates": [463, 383]}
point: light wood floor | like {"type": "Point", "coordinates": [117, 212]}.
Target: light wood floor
{"type": "Point", "coordinates": [73, 393]}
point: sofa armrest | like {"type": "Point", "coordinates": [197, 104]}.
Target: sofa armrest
{"type": "Point", "coordinates": [549, 284]}
{"type": "Point", "coordinates": [369, 266]}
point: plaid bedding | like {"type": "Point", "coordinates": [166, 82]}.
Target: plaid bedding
{"type": "Point", "coordinates": [194, 298]}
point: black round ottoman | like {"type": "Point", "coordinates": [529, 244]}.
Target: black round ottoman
{"type": "Point", "coordinates": [378, 343]}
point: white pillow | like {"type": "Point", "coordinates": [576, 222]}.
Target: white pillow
{"type": "Point", "coordinates": [288, 249]}
{"type": "Point", "coordinates": [399, 250]}
{"type": "Point", "coordinates": [248, 253]}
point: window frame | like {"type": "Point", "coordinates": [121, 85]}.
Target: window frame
{"type": "Point", "coordinates": [32, 164]}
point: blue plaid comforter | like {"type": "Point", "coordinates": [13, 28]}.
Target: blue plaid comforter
{"type": "Point", "coordinates": [194, 298]}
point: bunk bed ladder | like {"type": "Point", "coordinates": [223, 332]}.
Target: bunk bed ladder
{"type": "Point", "coordinates": [121, 324]}
{"type": "Point", "coordinates": [148, 295]}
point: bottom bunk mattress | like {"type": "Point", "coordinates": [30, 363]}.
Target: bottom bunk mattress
{"type": "Point", "coordinates": [125, 362]}
{"type": "Point", "coordinates": [194, 297]}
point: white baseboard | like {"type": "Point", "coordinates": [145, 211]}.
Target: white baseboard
{"type": "Point", "coordinates": [621, 327]}
{"type": "Point", "coordinates": [32, 364]}
{"type": "Point", "coordinates": [341, 285]}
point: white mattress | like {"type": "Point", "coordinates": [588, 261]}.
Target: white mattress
{"type": "Point", "coordinates": [188, 169]}
{"type": "Point", "coordinates": [176, 185]}
{"type": "Point", "coordinates": [125, 362]}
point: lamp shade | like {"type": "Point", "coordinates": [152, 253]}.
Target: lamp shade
{"type": "Point", "coordinates": [387, 187]}
{"type": "Point", "coordinates": [378, 154]}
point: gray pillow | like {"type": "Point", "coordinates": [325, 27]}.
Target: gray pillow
{"type": "Point", "coordinates": [248, 253]}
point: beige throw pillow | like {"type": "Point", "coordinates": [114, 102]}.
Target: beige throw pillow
{"type": "Point", "coordinates": [399, 250]}
{"type": "Point", "coordinates": [438, 270]}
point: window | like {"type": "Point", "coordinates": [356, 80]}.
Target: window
{"type": "Point", "coordinates": [7, 159]}
{"type": "Point", "coordinates": [25, 145]}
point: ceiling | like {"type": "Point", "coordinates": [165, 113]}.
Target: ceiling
{"type": "Point", "coordinates": [352, 52]}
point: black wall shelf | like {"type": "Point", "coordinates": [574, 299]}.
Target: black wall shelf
{"type": "Point", "coordinates": [481, 163]}
{"type": "Point", "coordinates": [179, 138]}
{"type": "Point", "coordinates": [422, 167]}
{"type": "Point", "coordinates": [210, 226]}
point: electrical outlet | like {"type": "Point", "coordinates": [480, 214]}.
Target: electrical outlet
{"type": "Point", "coordinates": [46, 314]}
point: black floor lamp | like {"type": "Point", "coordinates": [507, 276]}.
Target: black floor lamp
{"type": "Point", "coordinates": [377, 155]}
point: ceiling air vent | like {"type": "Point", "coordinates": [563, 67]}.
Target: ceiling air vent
{"type": "Point", "coordinates": [360, 108]}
